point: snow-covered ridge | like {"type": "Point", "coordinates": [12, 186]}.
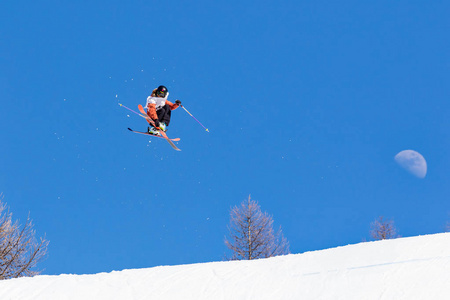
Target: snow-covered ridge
{"type": "Point", "coordinates": [406, 268]}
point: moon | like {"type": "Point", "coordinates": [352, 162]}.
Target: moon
{"type": "Point", "coordinates": [413, 162]}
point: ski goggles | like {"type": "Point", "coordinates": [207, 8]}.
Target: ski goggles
{"type": "Point", "coordinates": [161, 94]}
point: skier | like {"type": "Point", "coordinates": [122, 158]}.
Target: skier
{"type": "Point", "coordinates": [159, 109]}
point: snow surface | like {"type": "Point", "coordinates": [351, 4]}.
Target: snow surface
{"type": "Point", "coordinates": [406, 268]}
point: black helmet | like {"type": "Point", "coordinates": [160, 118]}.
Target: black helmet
{"type": "Point", "coordinates": [161, 91]}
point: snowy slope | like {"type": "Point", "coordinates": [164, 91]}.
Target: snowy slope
{"type": "Point", "coordinates": [407, 268]}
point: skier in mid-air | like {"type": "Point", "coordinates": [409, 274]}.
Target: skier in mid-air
{"type": "Point", "coordinates": [159, 109]}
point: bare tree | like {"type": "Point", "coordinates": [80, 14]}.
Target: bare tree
{"type": "Point", "coordinates": [251, 233]}
{"type": "Point", "coordinates": [382, 229]}
{"type": "Point", "coordinates": [19, 250]}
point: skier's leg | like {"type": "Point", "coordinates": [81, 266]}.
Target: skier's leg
{"type": "Point", "coordinates": [164, 114]}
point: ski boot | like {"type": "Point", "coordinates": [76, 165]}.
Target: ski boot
{"type": "Point", "coordinates": [163, 126]}
{"type": "Point", "coordinates": [153, 131]}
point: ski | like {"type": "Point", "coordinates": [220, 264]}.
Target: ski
{"type": "Point", "coordinates": [150, 121]}
{"type": "Point", "coordinates": [158, 136]}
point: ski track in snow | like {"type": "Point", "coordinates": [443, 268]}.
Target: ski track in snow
{"type": "Point", "coordinates": [405, 268]}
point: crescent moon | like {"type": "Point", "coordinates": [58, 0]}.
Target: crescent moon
{"type": "Point", "coordinates": [413, 162]}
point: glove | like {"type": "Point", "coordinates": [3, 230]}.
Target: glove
{"type": "Point", "coordinates": [178, 102]}
{"type": "Point", "coordinates": [156, 123]}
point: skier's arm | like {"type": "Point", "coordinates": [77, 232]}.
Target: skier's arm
{"type": "Point", "coordinates": [151, 111]}
{"type": "Point", "coordinates": [173, 106]}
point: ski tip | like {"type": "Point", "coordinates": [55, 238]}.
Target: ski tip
{"type": "Point", "coordinates": [130, 129]}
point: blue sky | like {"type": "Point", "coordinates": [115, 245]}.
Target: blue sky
{"type": "Point", "coordinates": [307, 103]}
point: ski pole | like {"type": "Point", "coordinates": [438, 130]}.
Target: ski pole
{"type": "Point", "coordinates": [194, 118]}
{"type": "Point", "coordinates": [120, 104]}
